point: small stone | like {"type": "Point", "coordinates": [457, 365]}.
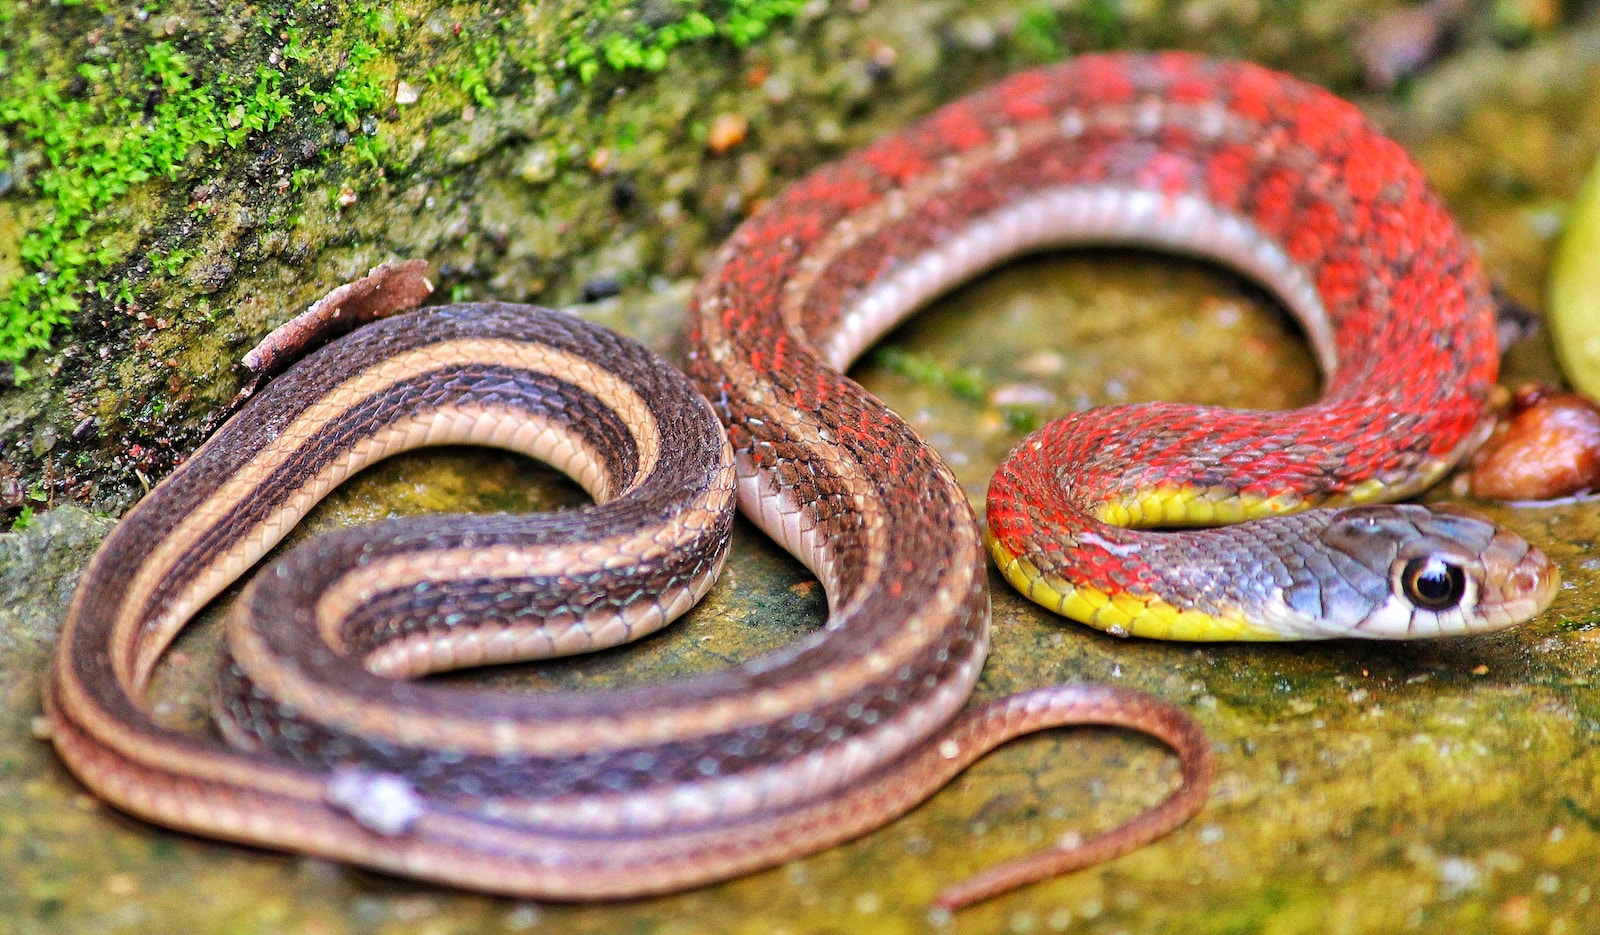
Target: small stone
{"type": "Point", "coordinates": [1022, 394]}
{"type": "Point", "coordinates": [406, 93]}
{"type": "Point", "coordinates": [881, 56]}
{"type": "Point", "coordinates": [779, 88]}
{"type": "Point", "coordinates": [122, 885]}
{"type": "Point", "coordinates": [727, 131]}
{"type": "Point", "coordinates": [523, 917]}
{"type": "Point", "coordinates": [599, 288]}
{"type": "Point", "coordinates": [1550, 447]}
{"type": "Point", "coordinates": [1043, 363]}
{"type": "Point", "coordinates": [538, 164]}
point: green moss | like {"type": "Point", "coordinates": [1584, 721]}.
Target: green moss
{"type": "Point", "coordinates": [473, 77]}
{"type": "Point", "coordinates": [134, 110]}
{"type": "Point", "coordinates": [107, 128]}
{"type": "Point", "coordinates": [966, 383]}
{"type": "Point", "coordinates": [96, 151]}
{"type": "Point", "coordinates": [1045, 32]}
{"type": "Point", "coordinates": [645, 45]}
{"type": "Point", "coordinates": [1020, 421]}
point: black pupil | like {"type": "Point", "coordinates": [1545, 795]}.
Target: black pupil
{"type": "Point", "coordinates": [1434, 583]}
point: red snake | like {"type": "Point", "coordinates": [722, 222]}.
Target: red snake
{"type": "Point", "coordinates": [648, 790]}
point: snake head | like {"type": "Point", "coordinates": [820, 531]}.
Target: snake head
{"type": "Point", "coordinates": [1436, 572]}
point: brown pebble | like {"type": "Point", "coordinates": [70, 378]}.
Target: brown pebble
{"type": "Point", "coordinates": [122, 884]}
{"type": "Point", "coordinates": [1516, 914]}
{"type": "Point", "coordinates": [881, 55]}
{"type": "Point", "coordinates": [727, 131]}
{"type": "Point", "coordinates": [1549, 448]}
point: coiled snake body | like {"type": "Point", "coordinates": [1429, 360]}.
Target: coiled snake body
{"type": "Point", "coordinates": [648, 790]}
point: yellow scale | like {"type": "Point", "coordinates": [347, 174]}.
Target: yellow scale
{"type": "Point", "coordinates": [1150, 616]}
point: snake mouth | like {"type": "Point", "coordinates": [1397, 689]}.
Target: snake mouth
{"type": "Point", "coordinates": [1521, 581]}
{"type": "Point", "coordinates": [1528, 586]}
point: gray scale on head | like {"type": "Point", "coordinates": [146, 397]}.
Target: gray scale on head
{"type": "Point", "coordinates": [1336, 586]}
{"type": "Point", "coordinates": [1336, 571]}
{"type": "Point", "coordinates": [1378, 546]}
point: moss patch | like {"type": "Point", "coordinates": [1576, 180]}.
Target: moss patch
{"type": "Point", "coordinates": [145, 95]}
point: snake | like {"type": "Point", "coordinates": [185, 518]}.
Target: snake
{"type": "Point", "coordinates": [332, 746]}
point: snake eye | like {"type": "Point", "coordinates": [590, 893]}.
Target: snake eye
{"type": "Point", "coordinates": [1433, 583]}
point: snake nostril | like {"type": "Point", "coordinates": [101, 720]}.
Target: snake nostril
{"type": "Point", "coordinates": [1530, 580]}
